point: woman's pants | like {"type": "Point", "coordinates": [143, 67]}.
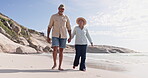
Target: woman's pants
{"type": "Point", "coordinates": [80, 52]}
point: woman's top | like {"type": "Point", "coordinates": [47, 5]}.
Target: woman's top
{"type": "Point", "coordinates": [81, 36]}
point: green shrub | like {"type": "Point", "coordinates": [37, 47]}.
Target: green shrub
{"type": "Point", "coordinates": [10, 22]}
{"type": "Point", "coordinates": [33, 31]}
{"type": "Point", "coordinates": [3, 18]}
{"type": "Point", "coordinates": [24, 33]}
{"type": "Point", "coordinates": [10, 32]}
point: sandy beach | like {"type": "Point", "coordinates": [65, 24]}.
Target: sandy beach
{"type": "Point", "coordinates": [39, 66]}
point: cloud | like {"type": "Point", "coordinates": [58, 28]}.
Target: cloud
{"type": "Point", "coordinates": [128, 19]}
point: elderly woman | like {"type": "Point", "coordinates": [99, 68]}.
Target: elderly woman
{"type": "Point", "coordinates": [82, 35]}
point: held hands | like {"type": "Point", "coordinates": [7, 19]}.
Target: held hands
{"type": "Point", "coordinates": [69, 40]}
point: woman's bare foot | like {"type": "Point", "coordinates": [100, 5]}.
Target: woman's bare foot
{"type": "Point", "coordinates": [60, 69]}
{"type": "Point", "coordinates": [74, 67]}
{"type": "Point", "coordinates": [83, 70]}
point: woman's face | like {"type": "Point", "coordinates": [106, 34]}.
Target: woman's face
{"type": "Point", "coordinates": [81, 23]}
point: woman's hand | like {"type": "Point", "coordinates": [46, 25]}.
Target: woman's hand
{"type": "Point", "coordinates": [92, 44]}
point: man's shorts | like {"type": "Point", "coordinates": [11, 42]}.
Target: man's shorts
{"type": "Point", "coordinates": [60, 42]}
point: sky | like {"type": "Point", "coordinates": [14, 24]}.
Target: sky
{"type": "Point", "coordinates": [121, 23]}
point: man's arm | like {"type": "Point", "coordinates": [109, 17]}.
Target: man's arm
{"type": "Point", "coordinates": [89, 38]}
{"type": "Point", "coordinates": [49, 29]}
{"type": "Point", "coordinates": [69, 29]}
{"type": "Point", "coordinates": [48, 33]}
{"type": "Point", "coordinates": [69, 32]}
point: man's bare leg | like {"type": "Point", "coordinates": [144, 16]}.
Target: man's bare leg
{"type": "Point", "coordinates": [55, 49]}
{"type": "Point", "coordinates": [60, 58]}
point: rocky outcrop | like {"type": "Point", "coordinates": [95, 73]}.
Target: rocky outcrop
{"type": "Point", "coordinates": [104, 49]}
{"type": "Point", "coordinates": [4, 32]}
{"type": "Point", "coordinates": [113, 49]}
{"type": "Point", "coordinates": [23, 41]}
{"type": "Point", "coordinates": [8, 46]}
{"type": "Point", "coordinates": [39, 42]}
{"type": "Point", "coordinates": [47, 49]}
{"type": "Point", "coordinates": [25, 50]}
{"type": "Point", "coordinates": [16, 29]}
{"type": "Point", "coordinates": [20, 38]}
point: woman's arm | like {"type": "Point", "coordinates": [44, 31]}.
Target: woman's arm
{"type": "Point", "coordinates": [74, 33]}
{"type": "Point", "coordinates": [89, 38]}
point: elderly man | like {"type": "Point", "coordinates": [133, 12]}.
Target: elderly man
{"type": "Point", "coordinates": [58, 23]}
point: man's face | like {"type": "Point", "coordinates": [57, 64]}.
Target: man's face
{"type": "Point", "coordinates": [61, 11]}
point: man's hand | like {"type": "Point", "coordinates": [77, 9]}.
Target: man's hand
{"type": "Point", "coordinates": [49, 40]}
{"type": "Point", "coordinates": [69, 32]}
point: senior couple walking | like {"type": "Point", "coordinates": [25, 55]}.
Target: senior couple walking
{"type": "Point", "coordinates": [60, 25]}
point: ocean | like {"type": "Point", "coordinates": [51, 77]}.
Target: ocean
{"type": "Point", "coordinates": [130, 63]}
{"type": "Point", "coordinates": [135, 64]}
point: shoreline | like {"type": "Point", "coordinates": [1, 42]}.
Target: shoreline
{"type": "Point", "coordinates": [38, 65]}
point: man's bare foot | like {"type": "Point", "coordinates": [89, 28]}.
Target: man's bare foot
{"type": "Point", "coordinates": [53, 66]}
{"type": "Point", "coordinates": [60, 69]}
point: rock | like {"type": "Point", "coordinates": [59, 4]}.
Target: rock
{"type": "Point", "coordinates": [32, 45]}
{"type": "Point", "coordinates": [23, 41]}
{"type": "Point", "coordinates": [69, 49]}
{"type": "Point", "coordinates": [20, 50]}
{"type": "Point", "coordinates": [40, 49]}
{"type": "Point", "coordinates": [16, 29]}
{"type": "Point", "coordinates": [41, 33]}
{"type": "Point", "coordinates": [8, 46]}
{"type": "Point", "coordinates": [20, 36]}
{"type": "Point", "coordinates": [2, 30]}
{"type": "Point", "coordinates": [8, 25]}
{"type": "Point", "coordinates": [104, 49]}
{"type": "Point", "coordinates": [116, 51]}
{"type": "Point", "coordinates": [2, 48]}
{"type": "Point", "coordinates": [38, 42]}
{"type": "Point", "coordinates": [47, 49]}
{"type": "Point", "coordinates": [95, 50]}
{"type": "Point", "coordinates": [24, 50]}
{"type": "Point", "coordinates": [35, 46]}
{"type": "Point", "coordinates": [25, 32]}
